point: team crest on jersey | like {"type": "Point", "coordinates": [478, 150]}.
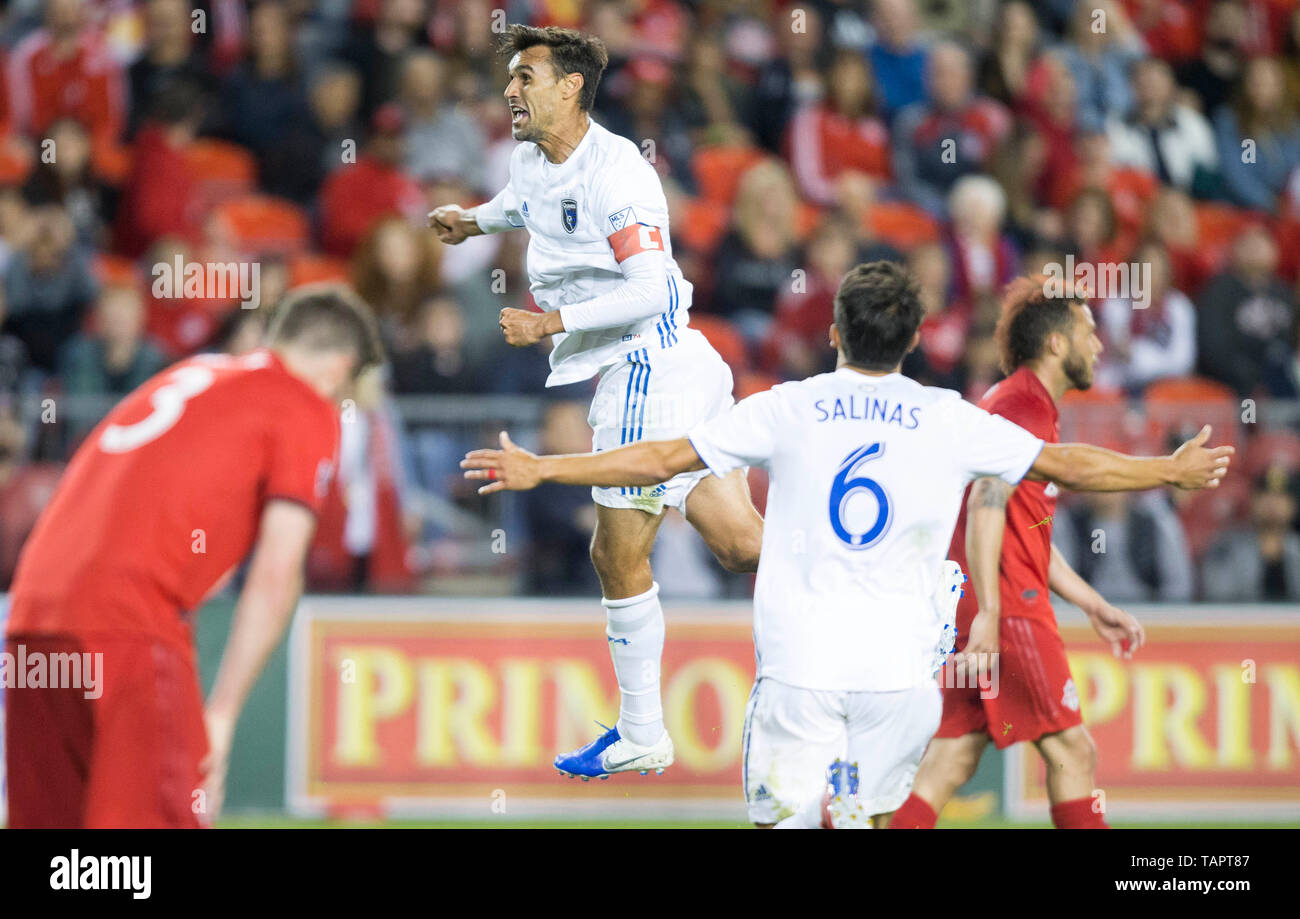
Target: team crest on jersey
{"type": "Point", "coordinates": [1070, 697]}
{"type": "Point", "coordinates": [623, 218]}
{"type": "Point", "coordinates": [569, 210]}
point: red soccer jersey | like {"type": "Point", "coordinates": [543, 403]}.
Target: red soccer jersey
{"type": "Point", "coordinates": [1027, 540]}
{"type": "Point", "coordinates": [165, 496]}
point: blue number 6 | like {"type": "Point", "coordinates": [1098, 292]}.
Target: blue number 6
{"type": "Point", "coordinates": [843, 488]}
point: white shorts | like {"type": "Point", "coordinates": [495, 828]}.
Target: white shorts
{"type": "Point", "coordinates": [658, 394]}
{"type": "Point", "coordinates": [792, 736]}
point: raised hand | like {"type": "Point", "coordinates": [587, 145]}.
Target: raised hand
{"type": "Point", "coordinates": [511, 468]}
{"type": "Point", "coordinates": [1199, 466]}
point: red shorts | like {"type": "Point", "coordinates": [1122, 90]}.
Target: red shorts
{"type": "Point", "coordinates": [128, 758]}
{"type": "Point", "coordinates": [1033, 694]}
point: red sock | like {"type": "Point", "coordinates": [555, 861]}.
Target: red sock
{"type": "Point", "coordinates": [914, 814]}
{"type": "Point", "coordinates": [1077, 815]}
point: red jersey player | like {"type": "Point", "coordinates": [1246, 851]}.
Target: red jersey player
{"type": "Point", "coordinates": [209, 459]}
{"type": "Point", "coordinates": [1004, 540]}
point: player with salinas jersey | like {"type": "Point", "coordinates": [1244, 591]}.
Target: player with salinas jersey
{"type": "Point", "coordinates": [600, 266]}
{"type": "Point", "coordinates": [867, 472]}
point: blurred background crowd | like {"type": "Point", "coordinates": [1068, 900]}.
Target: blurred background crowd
{"type": "Point", "coordinates": [973, 140]}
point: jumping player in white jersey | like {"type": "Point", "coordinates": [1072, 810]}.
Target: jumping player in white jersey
{"type": "Point", "coordinates": [600, 265]}
{"type": "Point", "coordinates": [867, 473]}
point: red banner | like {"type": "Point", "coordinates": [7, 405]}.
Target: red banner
{"type": "Point", "coordinates": [422, 711]}
{"type": "Point", "coordinates": [1205, 719]}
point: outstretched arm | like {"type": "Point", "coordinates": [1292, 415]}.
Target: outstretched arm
{"type": "Point", "coordinates": [513, 468]}
{"type": "Point", "coordinates": [1083, 467]}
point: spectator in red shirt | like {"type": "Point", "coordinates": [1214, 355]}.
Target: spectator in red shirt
{"type": "Point", "coordinates": [795, 346]}
{"type": "Point", "coordinates": [1172, 220]}
{"type": "Point", "coordinates": [64, 70]}
{"type": "Point", "coordinates": [357, 195]}
{"type": "Point", "coordinates": [1050, 106]}
{"type": "Point", "coordinates": [840, 133]}
{"type": "Point", "coordinates": [937, 360]}
{"type": "Point", "coordinates": [158, 197]}
{"type": "Point", "coordinates": [950, 135]}
{"type": "Point", "coordinates": [1171, 29]}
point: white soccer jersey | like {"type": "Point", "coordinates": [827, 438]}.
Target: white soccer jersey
{"type": "Point", "coordinates": [585, 216]}
{"type": "Point", "coordinates": [866, 481]}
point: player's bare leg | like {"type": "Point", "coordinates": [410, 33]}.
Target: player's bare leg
{"type": "Point", "coordinates": [1071, 759]}
{"type": "Point", "coordinates": [723, 513]}
{"type": "Point", "coordinates": [948, 764]}
{"type": "Point", "coordinates": [620, 552]}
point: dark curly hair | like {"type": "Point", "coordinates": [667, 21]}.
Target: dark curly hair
{"type": "Point", "coordinates": [571, 52]}
{"type": "Point", "coordinates": [1028, 317]}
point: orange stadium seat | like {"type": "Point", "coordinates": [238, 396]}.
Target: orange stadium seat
{"type": "Point", "coordinates": [725, 339]}
{"type": "Point", "coordinates": [262, 224]}
{"type": "Point", "coordinates": [1271, 448]}
{"type": "Point", "coordinates": [902, 225]}
{"type": "Point", "coordinates": [313, 269]}
{"type": "Point", "coordinates": [115, 269]}
{"type": "Point", "coordinates": [706, 223]}
{"type": "Point", "coordinates": [15, 165]}
{"type": "Point", "coordinates": [1179, 408]}
{"type": "Point", "coordinates": [717, 171]}
{"type": "Point", "coordinates": [806, 218]}
{"type": "Point", "coordinates": [1218, 225]}
{"type": "Point", "coordinates": [221, 170]}
{"type": "Point", "coordinates": [1097, 416]}
{"type": "Point", "coordinates": [751, 382]}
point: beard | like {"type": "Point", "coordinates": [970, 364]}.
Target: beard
{"type": "Point", "coordinates": [1078, 370]}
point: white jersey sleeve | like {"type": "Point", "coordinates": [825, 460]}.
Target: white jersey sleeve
{"type": "Point", "coordinates": [634, 212]}
{"type": "Point", "coordinates": [502, 212]}
{"type": "Point", "coordinates": [990, 445]}
{"type": "Point", "coordinates": [743, 435]}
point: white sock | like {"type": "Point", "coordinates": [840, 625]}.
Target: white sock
{"type": "Point", "coordinates": [635, 631]}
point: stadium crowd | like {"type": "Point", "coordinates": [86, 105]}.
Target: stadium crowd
{"type": "Point", "coordinates": [974, 141]}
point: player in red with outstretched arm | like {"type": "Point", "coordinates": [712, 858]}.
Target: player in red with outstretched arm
{"type": "Point", "coordinates": [211, 458]}
{"type": "Point", "coordinates": [1004, 540]}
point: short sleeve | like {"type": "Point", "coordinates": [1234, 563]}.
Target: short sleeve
{"type": "Point", "coordinates": [303, 457]}
{"type": "Point", "coordinates": [743, 435]}
{"type": "Point", "coordinates": [988, 445]}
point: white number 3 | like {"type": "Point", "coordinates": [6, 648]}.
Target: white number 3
{"type": "Point", "coordinates": [168, 403]}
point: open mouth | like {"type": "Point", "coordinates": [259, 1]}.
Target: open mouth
{"type": "Point", "coordinates": [517, 115]}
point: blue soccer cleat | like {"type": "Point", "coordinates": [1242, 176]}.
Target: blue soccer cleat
{"type": "Point", "coordinates": [609, 753]}
{"type": "Point", "coordinates": [841, 809]}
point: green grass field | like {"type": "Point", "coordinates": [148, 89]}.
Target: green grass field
{"type": "Point", "coordinates": [504, 822]}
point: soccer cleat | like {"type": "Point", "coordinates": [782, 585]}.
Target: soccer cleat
{"type": "Point", "coordinates": [841, 809]}
{"type": "Point", "coordinates": [609, 753]}
{"type": "Point", "coordinates": [946, 595]}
